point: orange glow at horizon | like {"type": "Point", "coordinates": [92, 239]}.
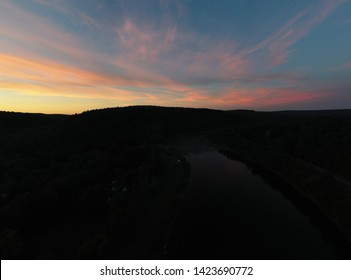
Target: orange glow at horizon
{"type": "Point", "coordinates": [56, 57]}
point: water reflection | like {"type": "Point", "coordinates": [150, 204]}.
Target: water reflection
{"type": "Point", "coordinates": [229, 212]}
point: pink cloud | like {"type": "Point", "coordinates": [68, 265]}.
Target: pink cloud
{"type": "Point", "coordinates": [150, 58]}
{"type": "Point", "coordinates": [261, 98]}
{"type": "Point", "coordinates": [150, 64]}
{"type": "Point", "coordinates": [145, 42]}
{"type": "Point", "coordinates": [276, 97]}
{"type": "Point", "coordinates": [217, 62]}
{"type": "Point", "coordinates": [157, 53]}
{"type": "Point", "coordinates": [27, 70]}
{"type": "Point", "coordinates": [37, 33]}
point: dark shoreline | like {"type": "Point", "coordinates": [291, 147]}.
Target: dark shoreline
{"type": "Point", "coordinates": [299, 181]}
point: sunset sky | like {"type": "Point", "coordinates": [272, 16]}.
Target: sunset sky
{"type": "Point", "coordinates": [68, 56]}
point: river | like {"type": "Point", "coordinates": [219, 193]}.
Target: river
{"type": "Point", "coordinates": [231, 211]}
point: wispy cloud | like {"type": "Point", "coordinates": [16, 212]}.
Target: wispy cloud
{"type": "Point", "coordinates": [37, 35]}
{"type": "Point", "coordinates": [142, 60]}
{"type": "Point", "coordinates": [148, 50]}
{"type": "Point", "coordinates": [145, 41]}
{"type": "Point", "coordinates": [260, 98]}
{"type": "Point", "coordinates": [75, 14]}
{"type": "Point", "coordinates": [279, 43]}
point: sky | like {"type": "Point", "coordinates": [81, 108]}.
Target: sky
{"type": "Point", "coordinates": [69, 56]}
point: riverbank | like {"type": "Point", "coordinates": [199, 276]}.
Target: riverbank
{"type": "Point", "coordinates": [331, 195]}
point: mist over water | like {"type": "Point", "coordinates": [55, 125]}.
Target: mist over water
{"type": "Point", "coordinates": [229, 212]}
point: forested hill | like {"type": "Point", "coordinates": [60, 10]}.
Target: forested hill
{"type": "Point", "coordinates": [100, 166]}
{"type": "Point", "coordinates": [320, 137]}
{"type": "Point", "coordinates": [19, 120]}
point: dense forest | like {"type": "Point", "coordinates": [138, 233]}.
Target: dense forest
{"type": "Point", "coordinates": [105, 183]}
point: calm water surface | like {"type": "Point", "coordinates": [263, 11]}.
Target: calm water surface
{"type": "Point", "coordinates": [229, 212]}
